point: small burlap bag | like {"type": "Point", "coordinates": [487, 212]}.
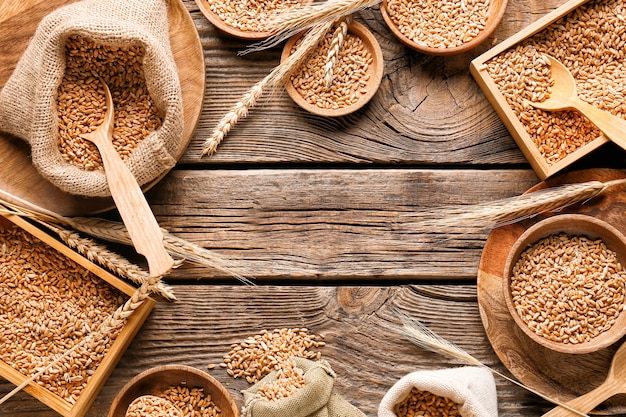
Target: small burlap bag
{"type": "Point", "coordinates": [28, 100]}
{"type": "Point", "coordinates": [472, 388]}
{"type": "Point", "coordinates": [317, 398]}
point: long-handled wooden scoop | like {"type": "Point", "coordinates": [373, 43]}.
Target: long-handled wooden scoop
{"type": "Point", "coordinates": [615, 383]}
{"type": "Point", "coordinates": [143, 229]}
{"type": "Point", "coordinates": [564, 97]}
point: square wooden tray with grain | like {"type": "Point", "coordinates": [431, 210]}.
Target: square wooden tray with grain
{"type": "Point", "coordinates": [51, 298]}
{"type": "Point", "coordinates": [589, 37]}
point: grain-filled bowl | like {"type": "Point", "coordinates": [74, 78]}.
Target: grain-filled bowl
{"type": "Point", "coordinates": [564, 283]}
{"type": "Point", "coordinates": [356, 73]}
{"type": "Point", "coordinates": [442, 27]}
{"type": "Point", "coordinates": [178, 385]}
{"type": "Point", "coordinates": [246, 19]}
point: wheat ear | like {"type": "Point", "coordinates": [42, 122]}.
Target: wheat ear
{"type": "Point", "coordinates": [420, 335]}
{"type": "Point", "coordinates": [498, 213]}
{"type": "Point", "coordinates": [116, 232]}
{"type": "Point", "coordinates": [288, 23]}
{"type": "Point", "coordinates": [339, 36]}
{"type": "Point", "coordinates": [278, 76]}
{"type": "Point", "coordinates": [113, 322]}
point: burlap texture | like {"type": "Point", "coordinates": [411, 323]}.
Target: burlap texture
{"type": "Point", "coordinates": [473, 388]}
{"type": "Point", "coordinates": [318, 397]}
{"type": "Point", "coordinates": [28, 100]}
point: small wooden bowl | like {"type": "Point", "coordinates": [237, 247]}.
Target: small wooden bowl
{"type": "Point", "coordinates": [496, 13]}
{"type": "Point", "coordinates": [573, 225]}
{"type": "Point", "coordinates": [217, 21]}
{"type": "Point", "coordinates": [375, 72]}
{"type": "Point", "coordinates": [156, 380]}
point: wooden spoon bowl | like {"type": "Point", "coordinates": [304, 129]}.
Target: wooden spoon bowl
{"type": "Point", "coordinates": [564, 96]}
{"type": "Point", "coordinates": [572, 225]}
{"type": "Point", "coordinates": [156, 380]}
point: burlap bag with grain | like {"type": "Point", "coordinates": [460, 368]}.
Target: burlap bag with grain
{"type": "Point", "coordinates": [317, 398]}
{"type": "Point", "coordinates": [28, 100]}
{"type": "Point", "coordinates": [472, 388]}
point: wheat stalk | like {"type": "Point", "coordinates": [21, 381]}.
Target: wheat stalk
{"type": "Point", "coordinates": [339, 36]}
{"type": "Point", "coordinates": [288, 23]}
{"type": "Point", "coordinates": [278, 76]}
{"type": "Point", "coordinates": [116, 232]}
{"type": "Point", "coordinates": [420, 335]}
{"type": "Point", "coordinates": [501, 212]}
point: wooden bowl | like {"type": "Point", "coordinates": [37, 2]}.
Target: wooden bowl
{"type": "Point", "coordinates": [156, 380]}
{"type": "Point", "coordinates": [374, 71]}
{"type": "Point", "coordinates": [573, 225]}
{"type": "Point", "coordinates": [495, 15]}
{"type": "Point", "coordinates": [217, 21]}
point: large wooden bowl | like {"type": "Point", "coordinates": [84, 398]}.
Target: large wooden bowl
{"type": "Point", "coordinates": [572, 225]}
{"type": "Point", "coordinates": [495, 15]}
{"type": "Point", "coordinates": [156, 380]}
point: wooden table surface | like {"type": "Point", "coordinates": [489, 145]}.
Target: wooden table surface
{"type": "Point", "coordinates": [314, 211]}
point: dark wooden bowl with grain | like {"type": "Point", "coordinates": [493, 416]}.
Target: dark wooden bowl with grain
{"type": "Point", "coordinates": [156, 380]}
{"type": "Point", "coordinates": [574, 278]}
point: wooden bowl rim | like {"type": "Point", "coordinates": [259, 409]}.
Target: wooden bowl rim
{"type": "Point", "coordinates": [572, 224]}
{"type": "Point", "coordinates": [376, 73]}
{"type": "Point", "coordinates": [250, 35]}
{"type": "Point", "coordinates": [496, 13]}
{"type": "Point", "coordinates": [147, 382]}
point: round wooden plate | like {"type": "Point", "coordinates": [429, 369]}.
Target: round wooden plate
{"type": "Point", "coordinates": [557, 375]}
{"type": "Point", "coordinates": [20, 182]}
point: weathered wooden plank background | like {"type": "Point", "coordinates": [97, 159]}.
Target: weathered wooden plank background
{"type": "Point", "coordinates": [317, 212]}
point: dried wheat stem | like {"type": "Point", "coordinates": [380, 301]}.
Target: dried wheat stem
{"type": "Point", "coordinates": [278, 76]}
{"type": "Point", "coordinates": [420, 335]}
{"type": "Point", "coordinates": [339, 36]}
{"type": "Point", "coordinates": [286, 24]}
{"type": "Point", "coordinates": [116, 232]}
{"type": "Point", "coordinates": [497, 213]}
{"type": "Point", "coordinates": [110, 260]}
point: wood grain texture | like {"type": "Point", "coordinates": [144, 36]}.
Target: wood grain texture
{"type": "Point", "coordinates": [368, 358]}
{"type": "Point", "coordinates": [328, 225]}
{"type": "Point", "coordinates": [428, 109]}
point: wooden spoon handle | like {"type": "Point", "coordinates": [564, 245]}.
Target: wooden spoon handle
{"type": "Point", "coordinates": [144, 231]}
{"type": "Point", "coordinates": [613, 127]}
{"type": "Point", "coordinates": [587, 402]}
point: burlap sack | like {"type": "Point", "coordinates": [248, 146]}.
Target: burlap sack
{"type": "Point", "coordinates": [473, 388]}
{"type": "Point", "coordinates": [28, 100]}
{"type": "Point", "coordinates": [318, 397]}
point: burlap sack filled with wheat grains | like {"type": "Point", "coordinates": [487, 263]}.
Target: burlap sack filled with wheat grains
{"type": "Point", "coordinates": [472, 388]}
{"type": "Point", "coordinates": [28, 100]}
{"type": "Point", "coordinates": [317, 398]}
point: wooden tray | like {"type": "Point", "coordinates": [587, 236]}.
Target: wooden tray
{"type": "Point", "coordinates": [558, 375]}
{"type": "Point", "coordinates": [19, 178]}
{"type": "Point", "coordinates": [114, 354]}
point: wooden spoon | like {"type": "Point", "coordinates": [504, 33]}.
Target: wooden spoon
{"type": "Point", "coordinates": [143, 229]}
{"type": "Point", "coordinates": [564, 97]}
{"type": "Point", "coordinates": [615, 383]}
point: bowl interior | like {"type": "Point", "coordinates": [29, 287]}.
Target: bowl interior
{"type": "Point", "coordinates": [494, 16]}
{"type": "Point", "coordinates": [574, 225]}
{"type": "Point", "coordinates": [374, 71]}
{"type": "Point", "coordinates": [156, 380]}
